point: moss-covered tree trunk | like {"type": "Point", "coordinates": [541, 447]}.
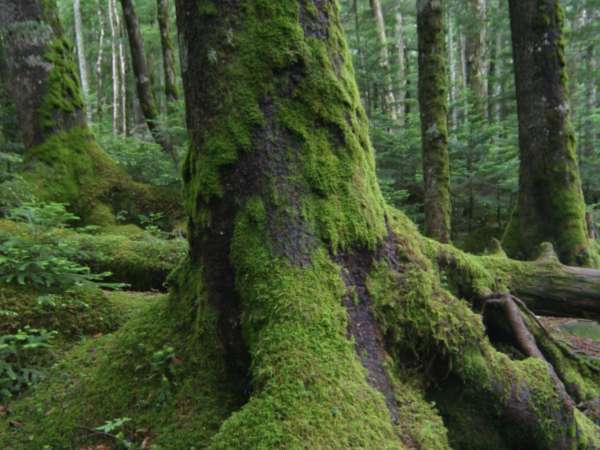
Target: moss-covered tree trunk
{"type": "Point", "coordinates": [475, 30]}
{"type": "Point", "coordinates": [433, 102]}
{"type": "Point", "coordinates": [167, 52]}
{"type": "Point", "coordinates": [550, 205]}
{"type": "Point", "coordinates": [314, 296]}
{"type": "Point", "coordinates": [63, 163]}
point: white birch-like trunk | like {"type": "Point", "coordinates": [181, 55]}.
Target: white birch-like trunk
{"type": "Point", "coordinates": [115, 66]}
{"type": "Point", "coordinates": [400, 49]}
{"type": "Point", "coordinates": [100, 59]}
{"type": "Point", "coordinates": [452, 69]}
{"type": "Point", "coordinates": [384, 58]}
{"type": "Point", "coordinates": [122, 73]}
{"type": "Point", "coordinates": [83, 72]}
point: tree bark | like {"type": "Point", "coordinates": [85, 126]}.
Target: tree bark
{"type": "Point", "coordinates": [116, 74]}
{"type": "Point", "coordinates": [550, 205]}
{"type": "Point", "coordinates": [83, 71]}
{"type": "Point", "coordinates": [167, 52]}
{"type": "Point", "coordinates": [142, 77]}
{"type": "Point", "coordinates": [122, 71]}
{"type": "Point", "coordinates": [433, 102]}
{"type": "Point", "coordinates": [474, 50]}
{"type": "Point", "coordinates": [100, 59]}
{"type": "Point", "coordinates": [384, 59]}
{"type": "Point", "coordinates": [402, 72]}
{"type": "Point", "coordinates": [453, 62]}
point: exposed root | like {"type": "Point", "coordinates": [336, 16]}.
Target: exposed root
{"type": "Point", "coordinates": [505, 304]}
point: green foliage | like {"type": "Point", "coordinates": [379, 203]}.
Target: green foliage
{"type": "Point", "coordinates": [143, 160]}
{"type": "Point", "coordinates": [18, 353]}
{"type": "Point", "coordinates": [115, 428]}
{"type": "Point", "coordinates": [41, 258]}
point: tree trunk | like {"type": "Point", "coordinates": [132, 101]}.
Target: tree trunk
{"type": "Point", "coordinates": [122, 71]}
{"type": "Point", "coordinates": [100, 59]}
{"type": "Point", "coordinates": [298, 317]}
{"type": "Point", "coordinates": [433, 102]}
{"type": "Point", "coordinates": [142, 78]}
{"type": "Point", "coordinates": [402, 72]}
{"type": "Point", "coordinates": [116, 74]}
{"type": "Point", "coordinates": [452, 63]}
{"type": "Point", "coordinates": [83, 71]}
{"type": "Point", "coordinates": [550, 205]}
{"type": "Point", "coordinates": [384, 59]}
{"type": "Point", "coordinates": [62, 160]}
{"type": "Point", "coordinates": [474, 50]}
{"type": "Point", "coordinates": [167, 52]}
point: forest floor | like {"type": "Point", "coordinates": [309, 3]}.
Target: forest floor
{"type": "Point", "coordinates": [583, 336]}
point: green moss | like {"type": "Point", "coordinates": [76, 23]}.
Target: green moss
{"type": "Point", "coordinates": [310, 389]}
{"type": "Point", "coordinates": [419, 420]}
{"type": "Point", "coordinates": [420, 317]}
{"type": "Point", "coordinates": [323, 118]}
{"type": "Point", "coordinates": [70, 168]}
{"type": "Point", "coordinates": [74, 313]}
{"type": "Point", "coordinates": [142, 263]}
{"type": "Point", "coordinates": [114, 376]}
{"type": "Point", "coordinates": [555, 213]}
{"type": "Point", "coordinates": [132, 255]}
{"type": "Point", "coordinates": [102, 215]}
{"type": "Point", "coordinates": [433, 101]}
{"type": "Point", "coordinates": [63, 94]}
{"type": "Point", "coordinates": [588, 436]}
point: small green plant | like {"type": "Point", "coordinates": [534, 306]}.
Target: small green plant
{"type": "Point", "coordinates": [18, 353]}
{"type": "Point", "coordinates": [40, 216]}
{"type": "Point", "coordinates": [151, 224]}
{"type": "Point", "coordinates": [42, 258]}
{"type": "Point", "coordinates": [162, 367]}
{"type": "Point", "coordinates": [115, 429]}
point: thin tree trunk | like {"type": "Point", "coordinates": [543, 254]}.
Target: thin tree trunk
{"type": "Point", "coordinates": [452, 62]}
{"type": "Point", "coordinates": [116, 72]}
{"type": "Point", "coordinates": [433, 102]}
{"type": "Point", "coordinates": [122, 71]}
{"type": "Point", "coordinates": [402, 74]}
{"type": "Point", "coordinates": [550, 206]}
{"type": "Point", "coordinates": [100, 59]}
{"type": "Point", "coordinates": [170, 79]}
{"type": "Point", "coordinates": [474, 48]}
{"type": "Point", "coordinates": [82, 63]}
{"type": "Point", "coordinates": [463, 76]}
{"type": "Point", "coordinates": [384, 59]}
{"type": "Point", "coordinates": [143, 82]}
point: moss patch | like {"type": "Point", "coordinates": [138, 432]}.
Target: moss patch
{"type": "Point", "coordinates": [119, 376]}
{"type": "Point", "coordinates": [75, 313]}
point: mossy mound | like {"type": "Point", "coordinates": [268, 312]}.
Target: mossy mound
{"type": "Point", "coordinates": [142, 261]}
{"type": "Point", "coordinates": [74, 313]}
{"type": "Point", "coordinates": [69, 167]}
{"type": "Point", "coordinates": [132, 255]}
{"type": "Point", "coordinates": [175, 396]}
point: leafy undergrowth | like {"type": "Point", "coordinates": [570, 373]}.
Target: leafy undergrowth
{"type": "Point", "coordinates": [130, 254]}
{"type": "Point", "coordinates": [147, 383]}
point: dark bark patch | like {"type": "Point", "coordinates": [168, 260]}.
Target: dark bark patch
{"type": "Point", "coordinates": [362, 325]}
